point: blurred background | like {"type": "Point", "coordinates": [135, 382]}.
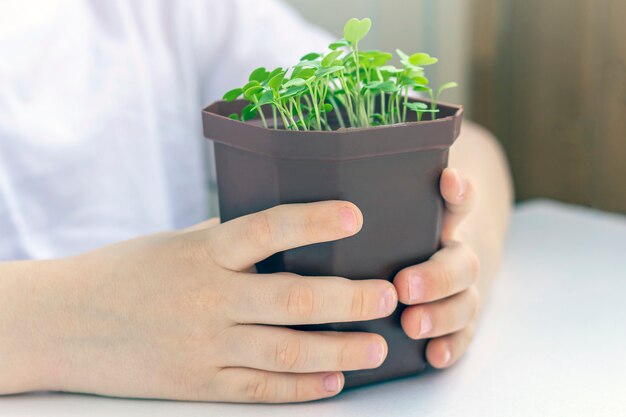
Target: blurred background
{"type": "Point", "coordinates": [548, 77]}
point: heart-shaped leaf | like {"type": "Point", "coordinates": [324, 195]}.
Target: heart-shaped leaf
{"type": "Point", "coordinates": [419, 106]}
{"type": "Point", "coordinates": [266, 98]}
{"type": "Point", "coordinates": [311, 56]}
{"type": "Point", "coordinates": [338, 44]}
{"type": "Point", "coordinates": [275, 82]}
{"type": "Point", "coordinates": [252, 91]}
{"type": "Point", "coordinates": [421, 59]}
{"type": "Point", "coordinates": [322, 72]}
{"type": "Point", "coordinates": [296, 82]}
{"type": "Point", "coordinates": [293, 91]}
{"type": "Point", "coordinates": [253, 83]}
{"type": "Point", "coordinates": [356, 29]}
{"type": "Point", "coordinates": [272, 74]}
{"type": "Point", "coordinates": [330, 58]}
{"type": "Point", "coordinates": [259, 74]}
{"type": "Point", "coordinates": [233, 94]}
{"type": "Point", "coordinates": [248, 113]}
{"type": "Point", "coordinates": [390, 69]}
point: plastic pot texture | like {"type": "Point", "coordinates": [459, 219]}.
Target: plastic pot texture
{"type": "Point", "coordinates": [390, 172]}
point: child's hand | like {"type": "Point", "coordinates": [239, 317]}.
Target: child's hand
{"type": "Point", "coordinates": [443, 293]}
{"type": "Point", "coordinates": [178, 314]}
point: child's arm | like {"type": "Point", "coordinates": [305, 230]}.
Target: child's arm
{"type": "Point", "coordinates": [178, 315]}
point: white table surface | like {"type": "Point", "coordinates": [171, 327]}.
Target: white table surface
{"type": "Point", "coordinates": [552, 341]}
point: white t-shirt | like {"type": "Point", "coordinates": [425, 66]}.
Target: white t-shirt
{"type": "Point", "coordinates": [100, 103]}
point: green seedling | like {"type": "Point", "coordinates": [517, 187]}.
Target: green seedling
{"type": "Point", "coordinates": [344, 87]}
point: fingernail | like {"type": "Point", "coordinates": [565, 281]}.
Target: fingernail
{"type": "Point", "coordinates": [426, 324]}
{"type": "Point", "coordinates": [446, 356]}
{"type": "Point", "coordinates": [462, 182]}
{"type": "Point", "coordinates": [331, 382]}
{"type": "Point", "coordinates": [375, 353]}
{"type": "Point", "coordinates": [348, 219]}
{"type": "Point", "coordinates": [387, 301]}
{"type": "Point", "coordinates": [416, 288]}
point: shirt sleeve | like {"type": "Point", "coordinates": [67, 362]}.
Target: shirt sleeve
{"type": "Point", "coordinates": [234, 37]}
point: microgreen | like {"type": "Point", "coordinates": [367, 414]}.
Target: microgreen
{"type": "Point", "coordinates": [344, 87]}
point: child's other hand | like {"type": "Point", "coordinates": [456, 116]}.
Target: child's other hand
{"type": "Point", "coordinates": [442, 294]}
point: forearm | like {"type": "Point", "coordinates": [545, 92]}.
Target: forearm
{"type": "Point", "coordinates": [26, 324]}
{"type": "Point", "coordinates": [478, 156]}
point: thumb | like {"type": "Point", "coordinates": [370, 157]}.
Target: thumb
{"type": "Point", "coordinates": [458, 192]}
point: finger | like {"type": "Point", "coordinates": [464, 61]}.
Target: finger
{"type": "Point", "coordinates": [255, 386]}
{"type": "Point", "coordinates": [444, 351]}
{"type": "Point", "coordinates": [280, 349]}
{"type": "Point", "coordinates": [242, 242]}
{"type": "Point", "coordinates": [449, 271]}
{"type": "Point", "coordinates": [289, 299]}
{"type": "Point", "coordinates": [441, 317]}
{"type": "Point", "coordinates": [214, 221]}
{"type": "Point", "coordinates": [458, 192]}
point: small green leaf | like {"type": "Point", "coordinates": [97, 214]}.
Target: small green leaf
{"type": "Point", "coordinates": [421, 80]}
{"type": "Point", "coordinates": [251, 84]}
{"type": "Point", "coordinates": [311, 56]}
{"type": "Point", "coordinates": [272, 74]}
{"type": "Point", "coordinates": [293, 91]}
{"type": "Point", "coordinates": [266, 98]}
{"type": "Point", "coordinates": [259, 74]}
{"type": "Point", "coordinates": [233, 116]}
{"type": "Point", "coordinates": [418, 106]}
{"type": "Point", "coordinates": [338, 44]}
{"type": "Point", "coordinates": [379, 117]}
{"type": "Point", "coordinates": [388, 87]}
{"type": "Point", "coordinates": [421, 59]}
{"type": "Point", "coordinates": [248, 113]}
{"type": "Point", "coordinates": [233, 95]}
{"type": "Point", "coordinates": [322, 72]}
{"type": "Point", "coordinates": [326, 108]}
{"type": "Point", "coordinates": [356, 29]}
{"type": "Point", "coordinates": [403, 57]}
{"type": "Point", "coordinates": [445, 87]}
{"type": "Point", "coordinates": [294, 82]}
{"type": "Point", "coordinates": [276, 81]}
{"type": "Point", "coordinates": [391, 69]}
{"type": "Point", "coordinates": [381, 59]}
{"type": "Point", "coordinates": [374, 85]}
{"type": "Point", "coordinates": [330, 58]}
{"type": "Point", "coordinates": [252, 91]}
{"type": "Point", "coordinates": [421, 88]}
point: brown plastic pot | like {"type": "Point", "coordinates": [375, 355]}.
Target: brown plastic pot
{"type": "Point", "coordinates": [390, 172]}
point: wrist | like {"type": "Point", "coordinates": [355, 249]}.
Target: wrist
{"type": "Point", "coordinates": [31, 326]}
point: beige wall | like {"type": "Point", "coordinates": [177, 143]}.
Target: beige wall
{"type": "Point", "coordinates": [550, 80]}
{"type": "Point", "coordinates": [438, 27]}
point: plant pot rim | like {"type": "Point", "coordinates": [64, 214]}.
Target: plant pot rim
{"type": "Point", "coordinates": [335, 145]}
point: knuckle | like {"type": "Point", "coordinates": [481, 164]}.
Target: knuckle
{"type": "Point", "coordinates": [290, 353]}
{"type": "Point", "coordinates": [310, 227]}
{"type": "Point", "coordinates": [344, 356]}
{"type": "Point", "coordinates": [260, 388]}
{"type": "Point", "coordinates": [301, 301]}
{"type": "Point", "coordinates": [259, 230]}
{"type": "Point", "coordinates": [299, 390]}
{"type": "Point", "coordinates": [358, 307]}
{"type": "Point", "coordinates": [445, 278]}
